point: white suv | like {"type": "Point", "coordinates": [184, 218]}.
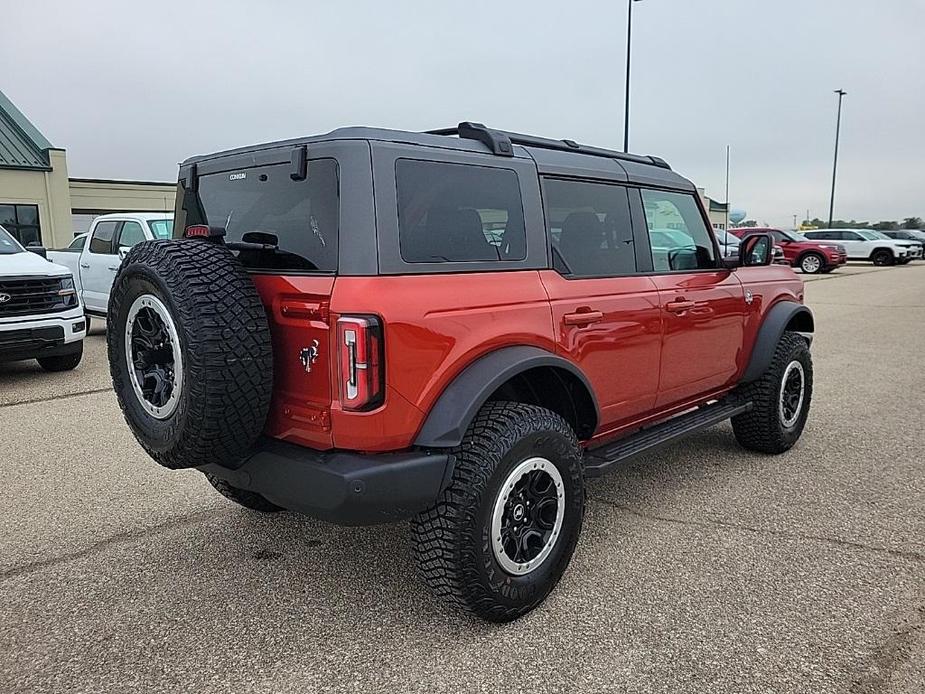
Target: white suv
{"type": "Point", "coordinates": [867, 244]}
{"type": "Point", "coordinates": [40, 313]}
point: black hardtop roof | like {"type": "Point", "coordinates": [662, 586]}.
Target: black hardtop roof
{"type": "Point", "coordinates": [551, 156]}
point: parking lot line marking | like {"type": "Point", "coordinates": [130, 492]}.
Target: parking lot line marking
{"type": "Point", "coordinates": [909, 555]}
{"type": "Point", "coordinates": [57, 397]}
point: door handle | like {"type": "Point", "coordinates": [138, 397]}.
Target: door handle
{"type": "Point", "coordinates": [583, 317]}
{"type": "Point", "coordinates": [680, 305]}
{"type": "Point", "coordinates": [85, 265]}
{"type": "Point", "coordinates": [114, 269]}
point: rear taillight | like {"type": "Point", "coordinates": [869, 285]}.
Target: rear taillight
{"type": "Point", "coordinates": [202, 231]}
{"type": "Point", "coordinates": [362, 381]}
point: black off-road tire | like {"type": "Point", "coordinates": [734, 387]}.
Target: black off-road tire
{"type": "Point", "coordinates": [452, 540]}
{"type": "Point", "coordinates": [243, 497]}
{"type": "Point", "coordinates": [817, 256]}
{"type": "Point", "coordinates": [761, 428]}
{"type": "Point", "coordinates": [227, 359]}
{"type": "Point", "coordinates": [882, 257]}
{"type": "Point", "coordinates": [63, 362]}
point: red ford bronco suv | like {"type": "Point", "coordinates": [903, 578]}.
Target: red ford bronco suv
{"type": "Point", "coordinates": [457, 328]}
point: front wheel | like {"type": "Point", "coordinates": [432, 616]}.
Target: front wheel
{"type": "Point", "coordinates": [882, 258]}
{"type": "Point", "coordinates": [63, 362]}
{"type": "Point", "coordinates": [502, 534]}
{"type": "Point", "coordinates": [780, 399]}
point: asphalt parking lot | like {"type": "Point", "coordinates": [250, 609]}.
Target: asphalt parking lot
{"type": "Point", "coordinates": [701, 569]}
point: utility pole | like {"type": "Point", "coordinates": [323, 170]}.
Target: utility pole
{"type": "Point", "coordinates": [626, 100]}
{"type": "Point", "coordinates": [841, 94]}
{"type": "Point", "coordinates": [726, 228]}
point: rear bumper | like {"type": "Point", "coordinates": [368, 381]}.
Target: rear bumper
{"type": "Point", "coordinates": [342, 487]}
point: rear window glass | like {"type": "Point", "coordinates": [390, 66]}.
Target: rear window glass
{"type": "Point", "coordinates": [296, 221]}
{"type": "Point", "coordinates": [458, 213]}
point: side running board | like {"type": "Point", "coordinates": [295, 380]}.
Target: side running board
{"type": "Point", "coordinates": [604, 458]}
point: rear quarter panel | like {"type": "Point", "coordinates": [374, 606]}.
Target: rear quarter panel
{"type": "Point", "coordinates": [434, 326]}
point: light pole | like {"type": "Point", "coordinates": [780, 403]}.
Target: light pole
{"type": "Point", "coordinates": [841, 94]}
{"type": "Point", "coordinates": [626, 100]}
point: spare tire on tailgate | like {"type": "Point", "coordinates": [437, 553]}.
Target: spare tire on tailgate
{"type": "Point", "coordinates": [190, 353]}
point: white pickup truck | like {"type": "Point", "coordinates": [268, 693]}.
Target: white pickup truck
{"type": "Point", "coordinates": [94, 257]}
{"type": "Point", "coordinates": [40, 313]}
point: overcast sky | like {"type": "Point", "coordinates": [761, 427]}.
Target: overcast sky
{"type": "Point", "coordinates": [130, 88]}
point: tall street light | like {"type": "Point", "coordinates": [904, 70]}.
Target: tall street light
{"type": "Point", "coordinates": [841, 94]}
{"type": "Point", "coordinates": [626, 101]}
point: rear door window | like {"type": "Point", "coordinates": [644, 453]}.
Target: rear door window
{"type": "Point", "coordinates": [103, 234]}
{"type": "Point", "coordinates": [296, 222]}
{"type": "Point", "coordinates": [458, 213]}
{"type": "Point", "coordinates": [589, 228]}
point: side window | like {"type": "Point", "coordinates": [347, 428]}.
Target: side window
{"type": "Point", "coordinates": [677, 233]}
{"type": "Point", "coordinates": [78, 243]}
{"type": "Point", "coordinates": [458, 213]}
{"type": "Point", "coordinates": [103, 236]}
{"type": "Point", "coordinates": [850, 236]}
{"type": "Point", "coordinates": [589, 228]}
{"type": "Point", "coordinates": [131, 234]}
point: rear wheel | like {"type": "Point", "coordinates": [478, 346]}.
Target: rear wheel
{"type": "Point", "coordinates": [503, 532]}
{"type": "Point", "coordinates": [882, 258]}
{"type": "Point", "coordinates": [63, 362]}
{"type": "Point", "coordinates": [812, 263]}
{"type": "Point", "coordinates": [780, 399]}
{"type": "Point", "coordinates": [243, 497]}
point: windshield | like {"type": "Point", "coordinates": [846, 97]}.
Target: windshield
{"type": "Point", "coordinates": [790, 236]}
{"type": "Point", "coordinates": [161, 228]}
{"type": "Point", "coordinates": [873, 235]}
{"type": "Point", "coordinates": [8, 245]}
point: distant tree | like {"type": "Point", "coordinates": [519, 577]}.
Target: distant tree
{"type": "Point", "coordinates": [912, 223]}
{"type": "Point", "coordinates": [748, 223]}
{"type": "Point", "coordinates": [886, 226]}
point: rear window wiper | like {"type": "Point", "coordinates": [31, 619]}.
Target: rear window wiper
{"type": "Point", "coordinates": [251, 246]}
{"type": "Point", "coordinates": [255, 241]}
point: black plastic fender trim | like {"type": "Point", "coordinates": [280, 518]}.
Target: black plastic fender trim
{"type": "Point", "coordinates": [769, 334]}
{"type": "Point", "coordinates": [457, 406]}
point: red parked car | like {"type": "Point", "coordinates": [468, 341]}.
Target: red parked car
{"type": "Point", "coordinates": [810, 256]}
{"type": "Point", "coordinates": [455, 328]}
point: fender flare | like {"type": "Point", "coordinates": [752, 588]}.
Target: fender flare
{"type": "Point", "coordinates": [772, 329]}
{"type": "Point", "coordinates": [454, 410]}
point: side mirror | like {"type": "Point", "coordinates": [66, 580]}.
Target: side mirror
{"type": "Point", "coordinates": [37, 249]}
{"type": "Point", "coordinates": [756, 250]}
{"type": "Point", "coordinates": [123, 251]}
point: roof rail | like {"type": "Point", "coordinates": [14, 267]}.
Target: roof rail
{"type": "Point", "coordinates": [500, 141]}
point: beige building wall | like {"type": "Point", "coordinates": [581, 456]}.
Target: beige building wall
{"type": "Point", "coordinates": [46, 189]}
{"type": "Point", "coordinates": [94, 196]}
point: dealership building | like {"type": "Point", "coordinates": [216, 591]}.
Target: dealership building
{"type": "Point", "coordinates": [40, 204]}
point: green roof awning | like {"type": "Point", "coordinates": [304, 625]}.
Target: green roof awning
{"type": "Point", "coordinates": [22, 146]}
